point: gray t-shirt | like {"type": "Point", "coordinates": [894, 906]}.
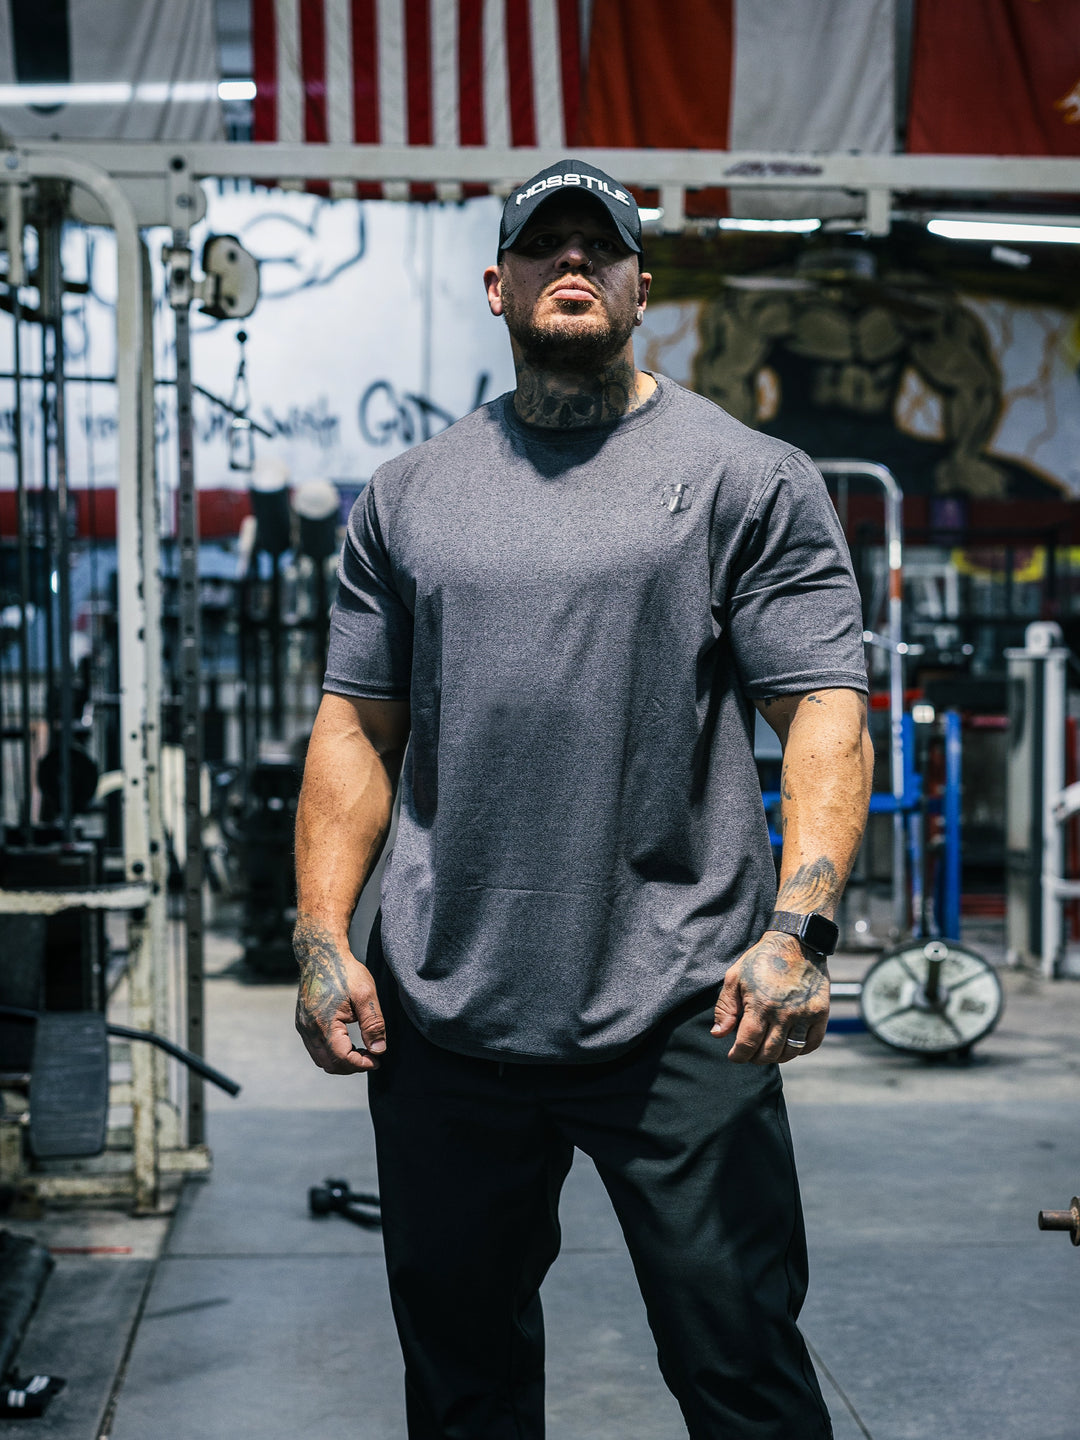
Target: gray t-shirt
{"type": "Point", "coordinates": [580, 619]}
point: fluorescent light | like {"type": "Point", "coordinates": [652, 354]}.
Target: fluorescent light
{"type": "Point", "coordinates": [645, 212]}
{"type": "Point", "coordinates": [1000, 230]}
{"type": "Point", "coordinates": [236, 90]}
{"type": "Point", "coordinates": [112, 93]}
{"type": "Point", "coordinates": [154, 92]}
{"type": "Point", "coordinates": [788, 227]}
{"type": "Point", "coordinates": [158, 92]}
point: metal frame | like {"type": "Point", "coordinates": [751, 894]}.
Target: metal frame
{"type": "Point", "coordinates": [142, 897]}
{"type": "Point", "coordinates": [1042, 667]}
{"type": "Point", "coordinates": [878, 178]}
{"type": "Point", "coordinates": [893, 641]}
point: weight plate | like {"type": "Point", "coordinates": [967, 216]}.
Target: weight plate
{"type": "Point", "coordinates": [896, 1009]}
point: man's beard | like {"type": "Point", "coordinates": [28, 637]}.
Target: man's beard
{"type": "Point", "coordinates": [561, 344]}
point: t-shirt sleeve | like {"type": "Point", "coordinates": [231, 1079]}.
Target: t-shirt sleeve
{"type": "Point", "coordinates": [794, 615]}
{"type": "Point", "coordinates": [371, 627]}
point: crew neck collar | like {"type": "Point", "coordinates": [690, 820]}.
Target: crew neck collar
{"type": "Point", "coordinates": [555, 435]}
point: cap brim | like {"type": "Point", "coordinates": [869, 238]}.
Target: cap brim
{"type": "Point", "coordinates": [624, 234]}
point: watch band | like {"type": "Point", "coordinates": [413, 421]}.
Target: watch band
{"type": "Point", "coordinates": [816, 931]}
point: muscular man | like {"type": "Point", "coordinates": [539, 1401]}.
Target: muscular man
{"type": "Point", "coordinates": [567, 606]}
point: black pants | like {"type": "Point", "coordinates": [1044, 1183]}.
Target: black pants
{"type": "Point", "coordinates": [696, 1156]}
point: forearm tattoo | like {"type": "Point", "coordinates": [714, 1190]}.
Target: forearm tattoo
{"type": "Point", "coordinates": [813, 886]}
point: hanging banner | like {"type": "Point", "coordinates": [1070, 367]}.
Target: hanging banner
{"type": "Point", "coordinates": [109, 70]}
{"type": "Point", "coordinates": [996, 77]}
{"type": "Point", "coordinates": [764, 75]}
{"type": "Point", "coordinates": [416, 72]}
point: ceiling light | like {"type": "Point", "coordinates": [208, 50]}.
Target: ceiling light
{"type": "Point", "coordinates": [1018, 259]}
{"type": "Point", "coordinates": [236, 90]}
{"type": "Point", "coordinates": [108, 93]}
{"type": "Point", "coordinates": [119, 92]}
{"type": "Point", "coordinates": [785, 227]}
{"type": "Point", "coordinates": [1001, 230]}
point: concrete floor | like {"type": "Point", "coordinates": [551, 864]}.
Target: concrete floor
{"type": "Point", "coordinates": [937, 1310]}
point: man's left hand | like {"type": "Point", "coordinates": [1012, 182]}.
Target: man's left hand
{"type": "Point", "coordinates": [774, 992]}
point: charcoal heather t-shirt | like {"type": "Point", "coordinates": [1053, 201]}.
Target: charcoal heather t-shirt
{"type": "Point", "coordinates": [580, 620]}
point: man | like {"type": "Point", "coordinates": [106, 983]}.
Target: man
{"type": "Point", "coordinates": [566, 604]}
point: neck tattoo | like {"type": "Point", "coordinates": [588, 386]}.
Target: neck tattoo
{"type": "Point", "coordinates": [566, 402]}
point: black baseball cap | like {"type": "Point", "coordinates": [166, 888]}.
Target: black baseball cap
{"type": "Point", "coordinates": [580, 178]}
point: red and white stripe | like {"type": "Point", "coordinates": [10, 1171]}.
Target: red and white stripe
{"type": "Point", "coordinates": [417, 72]}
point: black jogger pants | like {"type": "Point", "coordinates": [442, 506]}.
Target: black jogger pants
{"type": "Point", "coordinates": [696, 1156]}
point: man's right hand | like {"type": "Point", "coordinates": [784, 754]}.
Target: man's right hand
{"type": "Point", "coordinates": [335, 991]}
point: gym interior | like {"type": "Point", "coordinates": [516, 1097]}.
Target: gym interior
{"type": "Point", "coordinates": [243, 243]}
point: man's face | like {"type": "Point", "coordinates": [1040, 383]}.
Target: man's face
{"type": "Point", "coordinates": [570, 289]}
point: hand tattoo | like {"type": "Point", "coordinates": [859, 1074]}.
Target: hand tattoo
{"type": "Point", "coordinates": [323, 981]}
{"type": "Point", "coordinates": [773, 979]}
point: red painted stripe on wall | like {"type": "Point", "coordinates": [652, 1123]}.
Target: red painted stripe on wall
{"type": "Point", "coordinates": [520, 71]}
{"type": "Point", "coordinates": [264, 66]}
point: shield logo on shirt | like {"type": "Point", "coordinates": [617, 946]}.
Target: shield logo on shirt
{"type": "Point", "coordinates": [677, 497]}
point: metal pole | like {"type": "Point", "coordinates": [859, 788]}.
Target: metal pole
{"type": "Point", "coordinates": [1053, 783]}
{"type": "Point", "coordinates": [50, 235]}
{"type": "Point", "coordinates": [190, 672]}
{"type": "Point", "coordinates": [157, 913]}
{"type": "Point", "coordinates": [952, 817]}
{"type": "Point", "coordinates": [894, 549]}
{"type": "Point", "coordinates": [16, 279]}
{"type": "Point", "coordinates": [275, 633]}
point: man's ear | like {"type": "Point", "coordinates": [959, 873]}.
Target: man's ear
{"type": "Point", "coordinates": [644, 281]}
{"type": "Point", "coordinates": [493, 286]}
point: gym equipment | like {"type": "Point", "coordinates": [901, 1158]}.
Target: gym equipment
{"type": "Point", "coordinates": [1038, 802]}
{"type": "Point", "coordinates": [230, 287]}
{"type": "Point", "coordinates": [1063, 1220]}
{"type": "Point", "coordinates": [931, 997]}
{"type": "Point", "coordinates": [900, 802]}
{"type": "Point", "coordinates": [69, 1078]}
{"type": "Point", "coordinates": [333, 1197]}
{"type": "Point", "coordinates": [904, 795]}
{"type": "Point", "coordinates": [264, 838]}
{"type": "Point", "coordinates": [241, 433]}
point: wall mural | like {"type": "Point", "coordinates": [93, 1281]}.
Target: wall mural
{"type": "Point", "coordinates": [959, 393]}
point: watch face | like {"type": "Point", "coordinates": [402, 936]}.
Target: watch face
{"type": "Point", "coordinates": [819, 933]}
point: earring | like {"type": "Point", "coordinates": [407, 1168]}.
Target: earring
{"type": "Point", "coordinates": [639, 317]}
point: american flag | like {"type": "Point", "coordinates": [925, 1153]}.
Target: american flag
{"type": "Point", "coordinates": [417, 72]}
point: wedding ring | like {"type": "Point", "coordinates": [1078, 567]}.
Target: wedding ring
{"type": "Point", "coordinates": [795, 1044]}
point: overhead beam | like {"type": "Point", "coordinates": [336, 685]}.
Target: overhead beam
{"type": "Point", "coordinates": [503, 168]}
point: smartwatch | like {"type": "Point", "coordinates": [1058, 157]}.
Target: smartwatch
{"type": "Point", "coordinates": [817, 932]}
